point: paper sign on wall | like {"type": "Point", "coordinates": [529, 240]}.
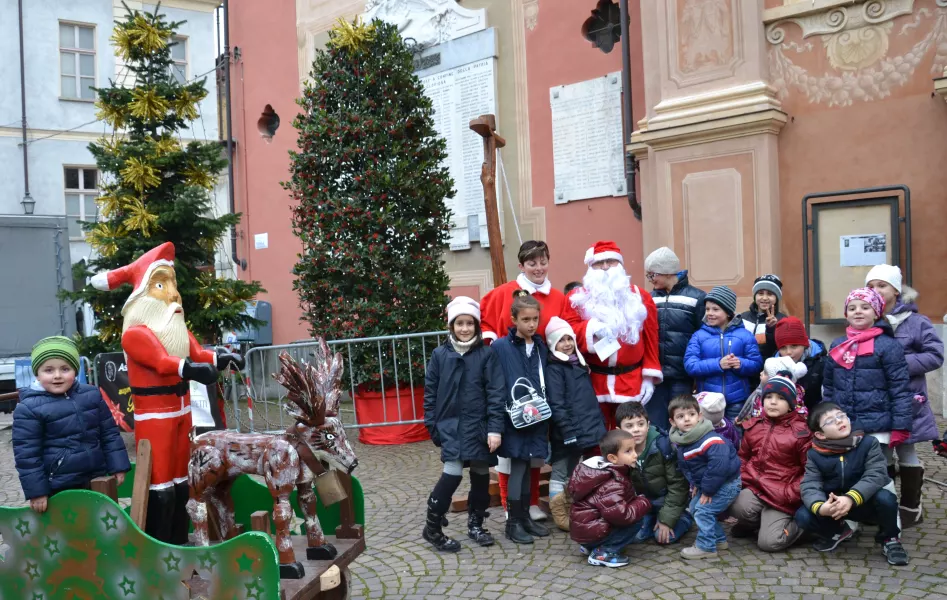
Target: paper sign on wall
{"type": "Point", "coordinates": [865, 250]}
{"type": "Point", "coordinates": [261, 241]}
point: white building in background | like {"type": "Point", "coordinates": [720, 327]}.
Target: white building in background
{"type": "Point", "coordinates": [67, 52]}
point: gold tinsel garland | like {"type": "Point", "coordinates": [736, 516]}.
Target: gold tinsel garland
{"type": "Point", "coordinates": [147, 104]}
{"type": "Point", "coordinates": [195, 175]}
{"type": "Point", "coordinates": [139, 219]}
{"type": "Point", "coordinates": [140, 175]}
{"type": "Point", "coordinates": [352, 36]}
{"type": "Point", "coordinates": [186, 104]}
{"type": "Point", "coordinates": [112, 114]}
{"type": "Point", "coordinates": [102, 238]}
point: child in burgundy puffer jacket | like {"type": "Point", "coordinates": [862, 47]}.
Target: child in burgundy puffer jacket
{"type": "Point", "coordinates": [605, 506]}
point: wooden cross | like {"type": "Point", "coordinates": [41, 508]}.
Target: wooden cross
{"type": "Point", "coordinates": [486, 126]}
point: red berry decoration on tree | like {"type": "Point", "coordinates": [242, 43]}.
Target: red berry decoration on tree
{"type": "Point", "coordinates": [378, 203]}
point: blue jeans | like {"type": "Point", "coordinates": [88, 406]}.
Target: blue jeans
{"type": "Point", "coordinates": [657, 407]}
{"type": "Point", "coordinates": [733, 409]}
{"type": "Point", "coordinates": [645, 527]}
{"type": "Point", "coordinates": [709, 530]}
{"type": "Point", "coordinates": [882, 508]}
{"type": "Point", "coordinates": [617, 538]}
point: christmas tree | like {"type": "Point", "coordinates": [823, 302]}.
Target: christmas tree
{"type": "Point", "coordinates": [154, 189]}
{"type": "Point", "coordinates": [369, 184]}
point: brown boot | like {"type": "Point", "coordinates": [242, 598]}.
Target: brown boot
{"type": "Point", "coordinates": [912, 479]}
{"type": "Point", "coordinates": [559, 506]}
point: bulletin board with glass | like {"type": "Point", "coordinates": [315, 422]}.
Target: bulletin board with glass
{"type": "Point", "coordinates": [849, 238]}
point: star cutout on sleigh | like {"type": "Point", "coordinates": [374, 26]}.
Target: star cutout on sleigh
{"type": "Point", "coordinates": [127, 585]}
{"type": "Point", "coordinates": [208, 561]}
{"type": "Point", "coordinates": [69, 516]}
{"type": "Point", "coordinates": [245, 563]}
{"type": "Point", "coordinates": [153, 579]}
{"type": "Point", "coordinates": [23, 527]}
{"type": "Point", "coordinates": [110, 521]}
{"type": "Point", "coordinates": [130, 550]}
{"type": "Point", "coordinates": [197, 586]}
{"type": "Point", "coordinates": [253, 590]}
{"type": "Point", "coordinates": [32, 570]}
{"type": "Point", "coordinates": [52, 546]}
{"type": "Point", "coordinates": [171, 559]}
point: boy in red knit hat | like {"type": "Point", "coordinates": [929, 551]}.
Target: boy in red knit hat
{"type": "Point", "coordinates": [792, 341]}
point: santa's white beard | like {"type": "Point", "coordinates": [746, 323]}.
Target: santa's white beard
{"type": "Point", "coordinates": [163, 320]}
{"type": "Point", "coordinates": [606, 296]}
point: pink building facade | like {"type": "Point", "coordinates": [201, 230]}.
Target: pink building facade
{"type": "Point", "coordinates": [740, 110]}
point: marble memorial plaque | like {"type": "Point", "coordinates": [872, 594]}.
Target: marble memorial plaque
{"type": "Point", "coordinates": [588, 159]}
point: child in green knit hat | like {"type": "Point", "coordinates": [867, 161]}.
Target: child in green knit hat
{"type": "Point", "coordinates": [63, 433]}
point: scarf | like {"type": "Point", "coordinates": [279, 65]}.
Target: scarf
{"type": "Point", "coordinates": [463, 347]}
{"type": "Point", "coordinates": [859, 343]}
{"type": "Point", "coordinates": [531, 287]}
{"type": "Point", "coordinates": [574, 358]}
{"type": "Point", "coordinates": [838, 446]}
{"type": "Point", "coordinates": [686, 438]}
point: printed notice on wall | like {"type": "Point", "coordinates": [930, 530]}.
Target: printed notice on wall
{"type": "Point", "coordinates": [261, 241]}
{"type": "Point", "coordinates": [865, 250]}
{"type": "Point", "coordinates": [588, 159]}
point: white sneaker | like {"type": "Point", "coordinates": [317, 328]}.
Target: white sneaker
{"type": "Point", "coordinates": [536, 513]}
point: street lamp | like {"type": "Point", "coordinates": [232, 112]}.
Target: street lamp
{"type": "Point", "coordinates": [28, 204]}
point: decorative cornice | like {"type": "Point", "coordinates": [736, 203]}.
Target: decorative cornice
{"type": "Point", "coordinates": [707, 130]}
{"type": "Point", "coordinates": [732, 101]}
{"type": "Point", "coordinates": [822, 17]}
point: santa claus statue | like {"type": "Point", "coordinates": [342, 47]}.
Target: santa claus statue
{"type": "Point", "coordinates": [162, 356]}
{"type": "Point", "coordinates": [616, 328]}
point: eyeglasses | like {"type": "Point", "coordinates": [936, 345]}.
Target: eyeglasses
{"type": "Point", "coordinates": [835, 420]}
{"type": "Point", "coordinates": [650, 275]}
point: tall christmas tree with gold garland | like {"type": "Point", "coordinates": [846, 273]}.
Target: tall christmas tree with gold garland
{"type": "Point", "coordinates": [156, 189]}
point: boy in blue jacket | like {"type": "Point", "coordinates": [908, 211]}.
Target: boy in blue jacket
{"type": "Point", "coordinates": [64, 435]}
{"type": "Point", "coordinates": [847, 480]}
{"type": "Point", "coordinates": [710, 464]}
{"type": "Point", "coordinates": [722, 356]}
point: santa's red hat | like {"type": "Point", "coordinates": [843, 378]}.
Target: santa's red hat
{"type": "Point", "coordinates": [603, 250]}
{"type": "Point", "coordinates": [137, 273]}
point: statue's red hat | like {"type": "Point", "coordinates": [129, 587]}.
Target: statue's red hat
{"type": "Point", "coordinates": [137, 273]}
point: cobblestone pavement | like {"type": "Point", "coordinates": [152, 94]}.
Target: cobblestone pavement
{"type": "Point", "coordinates": [399, 564]}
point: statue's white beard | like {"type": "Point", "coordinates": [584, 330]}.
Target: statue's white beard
{"type": "Point", "coordinates": [606, 296]}
{"type": "Point", "coordinates": [163, 320]}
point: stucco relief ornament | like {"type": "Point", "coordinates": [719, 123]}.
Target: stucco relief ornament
{"type": "Point", "coordinates": [705, 34]}
{"type": "Point", "coordinates": [427, 22]}
{"type": "Point", "coordinates": [856, 40]}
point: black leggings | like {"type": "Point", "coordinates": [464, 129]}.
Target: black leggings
{"type": "Point", "coordinates": [519, 478]}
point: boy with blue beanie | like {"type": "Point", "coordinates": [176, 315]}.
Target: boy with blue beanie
{"type": "Point", "coordinates": [64, 435]}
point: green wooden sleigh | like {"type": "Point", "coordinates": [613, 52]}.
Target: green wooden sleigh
{"type": "Point", "coordinates": [85, 546]}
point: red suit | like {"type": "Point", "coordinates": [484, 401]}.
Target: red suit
{"type": "Point", "coordinates": [495, 317]}
{"type": "Point", "coordinates": [162, 402]}
{"type": "Point", "coordinates": [628, 366]}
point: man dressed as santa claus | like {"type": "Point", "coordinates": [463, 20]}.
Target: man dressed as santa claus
{"type": "Point", "coordinates": [616, 328]}
{"type": "Point", "coordinates": [162, 356]}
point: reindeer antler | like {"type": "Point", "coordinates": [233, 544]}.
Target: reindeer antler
{"type": "Point", "coordinates": [314, 388]}
{"type": "Point", "coordinates": [329, 377]}
{"type": "Point", "coordinates": [307, 405]}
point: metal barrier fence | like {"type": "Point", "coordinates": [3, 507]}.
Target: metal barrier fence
{"type": "Point", "coordinates": [396, 363]}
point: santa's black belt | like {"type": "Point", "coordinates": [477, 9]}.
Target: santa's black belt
{"type": "Point", "coordinates": [614, 370]}
{"type": "Point", "coordinates": [178, 389]}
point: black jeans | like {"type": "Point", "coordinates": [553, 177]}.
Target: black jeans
{"type": "Point", "coordinates": [882, 508]}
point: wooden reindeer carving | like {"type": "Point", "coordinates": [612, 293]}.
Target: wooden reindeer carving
{"type": "Point", "coordinates": [313, 445]}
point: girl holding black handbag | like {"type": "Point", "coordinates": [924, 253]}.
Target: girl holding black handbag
{"type": "Point", "coordinates": [523, 358]}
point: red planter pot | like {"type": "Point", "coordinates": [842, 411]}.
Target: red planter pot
{"type": "Point", "coordinates": [370, 408]}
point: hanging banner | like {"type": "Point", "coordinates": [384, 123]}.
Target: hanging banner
{"type": "Point", "coordinates": [112, 374]}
